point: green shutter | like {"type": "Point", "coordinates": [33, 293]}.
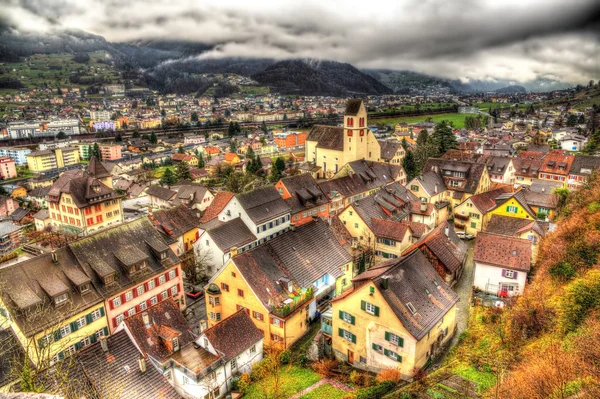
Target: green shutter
{"type": "Point", "coordinates": [77, 346]}
{"type": "Point", "coordinates": [387, 336]}
{"type": "Point", "coordinates": [372, 290]}
{"type": "Point", "coordinates": [73, 326]}
{"type": "Point", "coordinates": [106, 331]}
{"type": "Point", "coordinates": [340, 332]}
{"type": "Point", "coordinates": [93, 338]}
{"type": "Point", "coordinates": [363, 305]}
{"type": "Point", "coordinates": [376, 310]}
{"type": "Point", "coordinates": [399, 358]}
{"type": "Point", "coordinates": [57, 335]}
{"type": "Point", "coordinates": [507, 209]}
{"type": "Point", "coordinates": [353, 338]}
{"type": "Point", "coordinates": [61, 355]}
{"type": "Point", "coordinates": [102, 311]}
{"type": "Point", "coordinates": [401, 342]}
{"type": "Point", "coordinates": [352, 320]}
{"type": "Point", "coordinates": [386, 352]}
{"type": "Point", "coordinates": [88, 318]}
{"type": "Point", "coordinates": [342, 314]}
{"type": "Point", "coordinates": [374, 346]}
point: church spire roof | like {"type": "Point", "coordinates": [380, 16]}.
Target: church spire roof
{"type": "Point", "coordinates": [96, 169]}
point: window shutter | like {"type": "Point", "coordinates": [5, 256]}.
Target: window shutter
{"type": "Point", "coordinates": [88, 318]}
{"type": "Point", "coordinates": [340, 332]}
{"type": "Point", "coordinates": [123, 299]}
{"type": "Point", "coordinates": [102, 312]}
{"type": "Point", "coordinates": [149, 302]}
{"type": "Point", "coordinates": [61, 355]}
{"type": "Point", "coordinates": [376, 310]}
{"type": "Point", "coordinates": [156, 282]}
{"type": "Point", "coordinates": [503, 272]}
{"type": "Point", "coordinates": [167, 278]}
{"type": "Point", "coordinates": [508, 209]}
{"type": "Point", "coordinates": [386, 352]}
{"type": "Point", "coordinates": [77, 346]}
{"type": "Point", "coordinates": [387, 336]}
{"type": "Point", "coordinates": [352, 320]}
{"type": "Point", "coordinates": [399, 358]}
{"type": "Point", "coordinates": [353, 338]}
{"type": "Point", "coordinates": [146, 288]}
{"type": "Point", "coordinates": [401, 342]}
{"type": "Point", "coordinates": [106, 331]}
{"type": "Point", "coordinates": [111, 304]}
{"type": "Point", "coordinates": [176, 271]}
{"type": "Point", "coordinates": [114, 322]}
{"type": "Point", "coordinates": [342, 314]}
{"type": "Point", "coordinates": [363, 305]}
{"type": "Point", "coordinates": [134, 291]}
{"type": "Point", "coordinates": [57, 335]}
{"type": "Point", "coordinates": [137, 309]}
{"type": "Point", "coordinates": [515, 274]}
{"type": "Point", "coordinates": [93, 338]}
{"type": "Point", "coordinates": [374, 346]}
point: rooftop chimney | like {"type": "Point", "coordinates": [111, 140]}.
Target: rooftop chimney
{"type": "Point", "coordinates": [142, 364]}
{"type": "Point", "coordinates": [292, 227]}
{"type": "Point", "coordinates": [104, 344]}
{"type": "Point", "coordinates": [447, 230]}
{"type": "Point", "coordinates": [384, 282]}
{"type": "Point", "coordinates": [423, 206]}
{"type": "Point", "coordinates": [54, 256]}
{"type": "Point", "coordinates": [146, 319]}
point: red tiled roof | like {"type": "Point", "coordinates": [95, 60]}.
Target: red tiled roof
{"type": "Point", "coordinates": [389, 229]}
{"type": "Point", "coordinates": [510, 252]}
{"type": "Point", "coordinates": [216, 206]}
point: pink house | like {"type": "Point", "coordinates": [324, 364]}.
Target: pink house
{"type": "Point", "coordinates": [7, 169]}
{"type": "Point", "coordinates": [110, 152]}
{"type": "Point", "coordinates": [7, 206]}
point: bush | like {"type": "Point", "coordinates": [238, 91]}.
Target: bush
{"type": "Point", "coordinates": [561, 271]}
{"type": "Point", "coordinates": [301, 360]}
{"type": "Point", "coordinates": [581, 297]}
{"type": "Point", "coordinates": [389, 375]}
{"type": "Point", "coordinates": [375, 392]}
{"type": "Point", "coordinates": [285, 357]}
{"type": "Point", "coordinates": [243, 382]}
{"type": "Point", "coordinates": [359, 379]}
{"type": "Point", "coordinates": [324, 367]}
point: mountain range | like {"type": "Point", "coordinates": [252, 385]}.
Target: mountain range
{"type": "Point", "coordinates": [173, 66]}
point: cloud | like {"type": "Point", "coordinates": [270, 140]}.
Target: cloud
{"type": "Point", "coordinates": [463, 39]}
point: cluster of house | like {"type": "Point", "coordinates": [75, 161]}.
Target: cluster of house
{"type": "Point", "coordinates": [349, 242]}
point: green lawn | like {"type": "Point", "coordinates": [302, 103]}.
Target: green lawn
{"type": "Point", "coordinates": [325, 391]}
{"type": "Point", "coordinates": [292, 380]}
{"type": "Point", "coordinates": [457, 119]}
{"type": "Point", "coordinates": [253, 90]}
{"type": "Point", "coordinates": [485, 379]}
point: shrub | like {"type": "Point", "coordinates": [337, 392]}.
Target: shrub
{"type": "Point", "coordinates": [324, 367]}
{"type": "Point", "coordinates": [285, 357]}
{"type": "Point", "coordinates": [375, 392]}
{"type": "Point", "coordinates": [562, 271]}
{"type": "Point", "coordinates": [389, 375]}
{"type": "Point", "coordinates": [244, 382]}
{"type": "Point", "coordinates": [359, 379]}
{"type": "Point", "coordinates": [581, 296]}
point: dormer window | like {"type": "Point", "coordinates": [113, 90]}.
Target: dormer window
{"type": "Point", "coordinates": [84, 288]}
{"type": "Point", "coordinates": [109, 279]}
{"type": "Point", "coordinates": [60, 299]}
{"type": "Point", "coordinates": [175, 342]}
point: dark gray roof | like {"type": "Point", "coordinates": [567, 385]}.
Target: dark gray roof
{"type": "Point", "coordinates": [161, 192]}
{"type": "Point", "coordinates": [381, 205]}
{"type": "Point", "coordinates": [431, 182]}
{"type": "Point", "coordinates": [472, 170]}
{"type": "Point", "coordinates": [309, 252]}
{"type": "Point", "coordinates": [353, 106]}
{"type": "Point", "coordinates": [509, 226]}
{"type": "Point", "coordinates": [7, 228]}
{"type": "Point", "coordinates": [328, 137]}
{"type": "Point", "coordinates": [389, 148]}
{"type": "Point", "coordinates": [263, 204]}
{"type": "Point", "coordinates": [234, 335]}
{"type": "Point", "coordinates": [449, 249]}
{"type": "Point", "coordinates": [413, 280]}
{"type": "Point", "coordinates": [375, 174]}
{"type": "Point", "coordinates": [583, 164]}
{"type": "Point", "coordinates": [305, 192]}
{"type": "Point", "coordinates": [233, 233]}
{"type": "Point", "coordinates": [97, 254]}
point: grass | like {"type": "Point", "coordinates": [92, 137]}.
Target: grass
{"type": "Point", "coordinates": [485, 379]}
{"type": "Point", "coordinates": [253, 90]}
{"type": "Point", "coordinates": [325, 391]}
{"type": "Point", "coordinates": [457, 119]}
{"type": "Point", "coordinates": [291, 380]}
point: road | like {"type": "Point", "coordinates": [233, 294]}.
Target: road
{"type": "Point", "coordinates": [195, 311]}
{"type": "Point", "coordinates": [463, 289]}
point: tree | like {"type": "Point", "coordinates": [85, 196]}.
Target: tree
{"type": "Point", "coordinates": [443, 138]}
{"type": "Point", "coordinates": [277, 169]}
{"type": "Point", "coordinates": [135, 134]}
{"type": "Point", "coordinates": [572, 120]}
{"type": "Point", "coordinates": [239, 182]}
{"type": "Point", "coordinates": [263, 127]}
{"type": "Point", "coordinates": [200, 160]}
{"type": "Point", "coordinates": [263, 140]}
{"type": "Point", "coordinates": [182, 171]}
{"type": "Point", "coordinates": [61, 136]}
{"type": "Point", "coordinates": [180, 150]}
{"type": "Point", "coordinates": [410, 166]}
{"type": "Point", "coordinates": [194, 117]}
{"type": "Point", "coordinates": [251, 166]}
{"type": "Point", "coordinates": [118, 138]}
{"type": "Point", "coordinates": [232, 146]}
{"type": "Point", "coordinates": [231, 130]}
{"type": "Point", "coordinates": [197, 271]}
{"type": "Point", "coordinates": [97, 152]}
{"type": "Point", "coordinates": [168, 178]}
{"type": "Point", "coordinates": [153, 139]}
{"type": "Point", "coordinates": [423, 137]}
{"type": "Point", "coordinates": [404, 144]}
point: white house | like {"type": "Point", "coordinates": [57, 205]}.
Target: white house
{"type": "Point", "coordinates": [263, 211]}
{"type": "Point", "coordinates": [501, 169]}
{"type": "Point", "coordinates": [501, 264]}
{"type": "Point", "coordinates": [573, 142]}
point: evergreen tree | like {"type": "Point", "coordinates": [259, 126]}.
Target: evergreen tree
{"type": "Point", "coordinates": [443, 138]}
{"type": "Point", "coordinates": [263, 127]}
{"type": "Point", "coordinates": [168, 178]}
{"type": "Point", "coordinates": [277, 169]}
{"type": "Point", "coordinates": [232, 146]}
{"type": "Point", "coordinates": [194, 117]}
{"type": "Point", "coordinates": [180, 150]}
{"type": "Point", "coordinates": [404, 144]}
{"type": "Point", "coordinates": [251, 166]}
{"type": "Point", "coordinates": [593, 145]}
{"type": "Point", "coordinates": [200, 160]}
{"type": "Point", "coordinates": [410, 166]}
{"type": "Point", "coordinates": [97, 152]}
{"type": "Point", "coordinates": [423, 137]}
{"type": "Point", "coordinates": [135, 134]}
{"type": "Point", "coordinates": [90, 151]}
{"type": "Point", "coordinates": [182, 171]}
{"type": "Point", "coordinates": [153, 139]}
{"type": "Point", "coordinates": [231, 130]}
{"type": "Point", "coordinates": [118, 138]}
{"type": "Point", "coordinates": [237, 128]}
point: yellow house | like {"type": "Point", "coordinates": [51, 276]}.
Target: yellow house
{"type": "Point", "coordinates": [51, 306]}
{"type": "Point", "coordinates": [18, 192]}
{"type": "Point", "coordinates": [331, 147]}
{"type": "Point", "coordinates": [532, 230]}
{"type": "Point", "coordinates": [83, 202]}
{"type": "Point", "coordinates": [279, 282]}
{"type": "Point", "coordinates": [470, 214]}
{"type": "Point", "coordinates": [41, 161]}
{"type": "Point", "coordinates": [399, 315]}
{"type": "Point", "coordinates": [512, 205]}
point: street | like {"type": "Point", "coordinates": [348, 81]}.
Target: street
{"type": "Point", "coordinates": [195, 311]}
{"type": "Point", "coordinates": [463, 289]}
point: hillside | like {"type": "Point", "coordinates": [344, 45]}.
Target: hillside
{"type": "Point", "coordinates": [511, 89]}
{"type": "Point", "coordinates": [330, 78]}
{"type": "Point", "coordinates": [407, 82]}
{"type": "Point", "coordinates": [579, 98]}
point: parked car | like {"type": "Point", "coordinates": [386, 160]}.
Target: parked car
{"type": "Point", "coordinates": [464, 236]}
{"type": "Point", "coordinates": [195, 295]}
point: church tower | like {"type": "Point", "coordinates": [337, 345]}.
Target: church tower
{"type": "Point", "coordinates": [356, 132]}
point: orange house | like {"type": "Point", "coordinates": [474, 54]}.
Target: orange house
{"type": "Point", "coordinates": [304, 197]}
{"type": "Point", "coordinates": [290, 140]}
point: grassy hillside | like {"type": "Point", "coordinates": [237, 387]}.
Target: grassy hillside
{"type": "Point", "coordinates": [458, 120]}
{"type": "Point", "coordinates": [578, 99]}
{"type": "Point", "coordinates": [546, 345]}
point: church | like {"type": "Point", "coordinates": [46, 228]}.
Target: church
{"type": "Point", "coordinates": [331, 147]}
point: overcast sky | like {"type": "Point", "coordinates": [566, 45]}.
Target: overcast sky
{"type": "Point", "coordinates": [517, 40]}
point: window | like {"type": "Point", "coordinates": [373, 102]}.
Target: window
{"type": "Point", "coordinates": [70, 350]}
{"type": "Point", "coordinates": [347, 317]}
{"type": "Point", "coordinates": [99, 219]}
{"type": "Point", "coordinates": [411, 307]}
{"type": "Point", "coordinates": [240, 292]}
{"type": "Point", "coordinates": [215, 316]}
{"type": "Point", "coordinates": [164, 295]}
{"type": "Point", "coordinates": [512, 209]}
{"type": "Point", "coordinates": [347, 335]}
{"type": "Point", "coordinates": [509, 273]}
{"type": "Point", "coordinates": [99, 333]}
{"type": "Point", "coordinates": [61, 299]}
{"type": "Point", "coordinates": [85, 342]}
{"type": "Point", "coordinates": [172, 274]}
{"type": "Point", "coordinates": [225, 287]}
{"type": "Point", "coordinates": [128, 296]}
{"type": "Point", "coordinates": [96, 314]}
{"type": "Point", "coordinates": [394, 339]}
{"type": "Point", "coordinates": [140, 290]}
{"type": "Point", "coordinates": [276, 322]}
{"type": "Point", "coordinates": [153, 300]}
{"type": "Point", "coordinates": [414, 187]}
{"type": "Point", "coordinates": [174, 290]}
{"type": "Point", "coordinates": [162, 279]}
{"type": "Point", "coordinates": [252, 349]}
{"type": "Point", "coordinates": [143, 306]}
{"type": "Point", "coordinates": [81, 322]}
{"type": "Point", "coordinates": [392, 355]}
{"type": "Point", "coordinates": [233, 363]}
{"type": "Point", "coordinates": [369, 308]}
{"type": "Point", "coordinates": [151, 285]}
{"type": "Point", "coordinates": [258, 315]}
{"type": "Point", "coordinates": [65, 330]}
{"type": "Point", "coordinates": [473, 225]}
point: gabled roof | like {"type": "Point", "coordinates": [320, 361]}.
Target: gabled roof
{"type": "Point", "coordinates": [509, 226]}
{"type": "Point", "coordinates": [412, 279]}
{"type": "Point", "coordinates": [233, 233]}
{"type": "Point", "coordinates": [97, 254]}
{"type": "Point", "coordinates": [389, 148]}
{"type": "Point", "coordinates": [584, 164]}
{"type": "Point", "coordinates": [176, 221]}
{"type": "Point", "coordinates": [381, 206]}
{"type": "Point", "coordinates": [96, 169]}
{"type": "Point", "coordinates": [389, 229]}
{"type": "Point", "coordinates": [374, 174]}
{"type": "Point", "coordinates": [472, 171]}
{"type": "Point", "coordinates": [431, 182]}
{"type": "Point", "coordinates": [234, 335]}
{"type": "Point", "coordinates": [519, 196]}
{"type": "Point", "coordinates": [161, 192]}
{"type": "Point", "coordinates": [84, 187]}
{"type": "Point", "coordinates": [486, 201]}
{"type": "Point", "coordinates": [353, 106]}
{"type": "Point", "coordinates": [502, 251]}
{"type": "Point", "coordinates": [221, 199]}
{"type": "Point", "coordinates": [445, 245]}
{"type": "Point", "coordinates": [557, 161]}
{"type": "Point", "coordinates": [263, 204]}
{"type": "Point", "coordinates": [166, 320]}
{"type": "Point", "coordinates": [305, 192]}
{"type": "Point", "coordinates": [327, 137]}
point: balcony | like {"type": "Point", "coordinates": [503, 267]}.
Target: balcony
{"type": "Point", "coordinates": [292, 304]}
{"type": "Point", "coordinates": [459, 226]}
{"type": "Point", "coordinates": [461, 217]}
